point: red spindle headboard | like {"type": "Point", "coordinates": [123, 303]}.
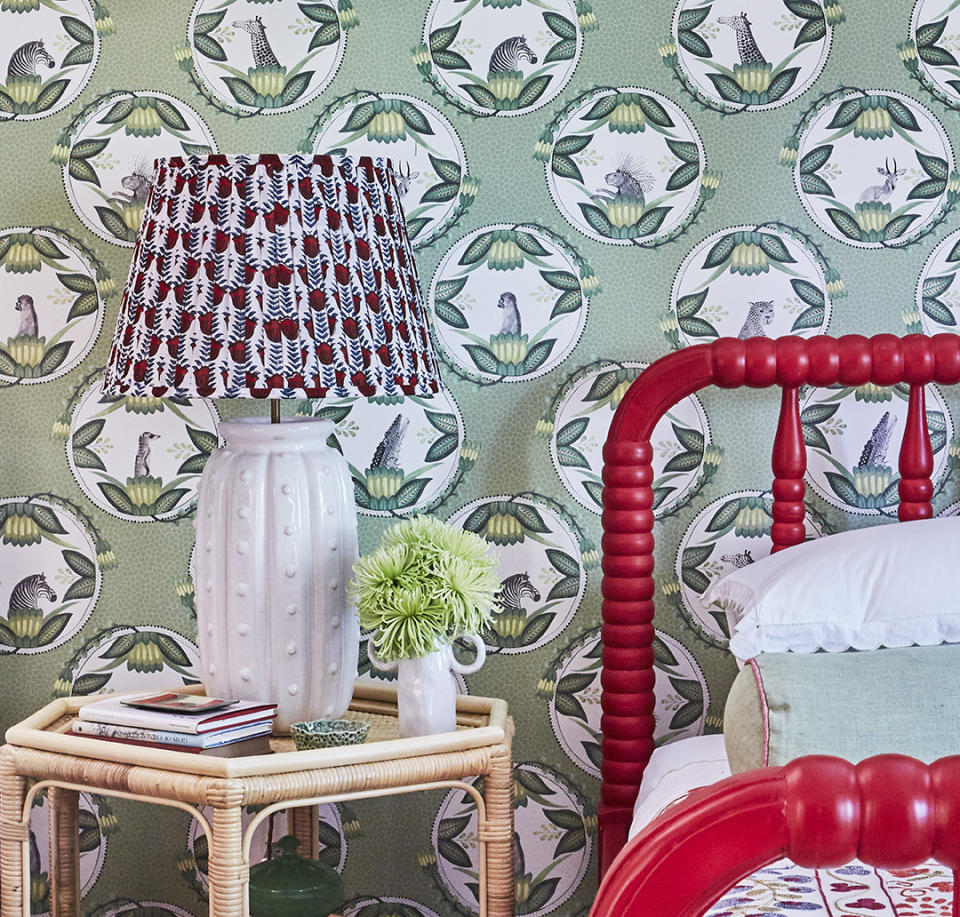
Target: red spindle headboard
{"type": "Point", "coordinates": [628, 587]}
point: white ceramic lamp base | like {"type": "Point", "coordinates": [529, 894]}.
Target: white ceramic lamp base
{"type": "Point", "coordinates": [276, 542]}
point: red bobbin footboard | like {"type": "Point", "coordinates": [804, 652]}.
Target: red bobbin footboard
{"type": "Point", "coordinates": [889, 811]}
{"type": "Point", "coordinates": [628, 587]}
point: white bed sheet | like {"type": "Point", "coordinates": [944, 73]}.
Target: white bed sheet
{"type": "Point", "coordinates": [783, 889]}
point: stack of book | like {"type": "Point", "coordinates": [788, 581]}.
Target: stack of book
{"type": "Point", "coordinates": [180, 722]}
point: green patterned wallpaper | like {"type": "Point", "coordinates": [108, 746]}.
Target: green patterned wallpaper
{"type": "Point", "coordinates": [589, 185]}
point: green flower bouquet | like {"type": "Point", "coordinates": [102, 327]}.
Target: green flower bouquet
{"type": "Point", "coordinates": [425, 585]}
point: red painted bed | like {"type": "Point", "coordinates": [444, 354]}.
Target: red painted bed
{"type": "Point", "coordinates": [793, 797]}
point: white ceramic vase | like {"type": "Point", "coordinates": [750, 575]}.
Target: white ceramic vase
{"type": "Point", "coordinates": [276, 541]}
{"type": "Point", "coordinates": [427, 688]}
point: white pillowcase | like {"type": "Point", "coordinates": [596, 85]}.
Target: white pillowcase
{"type": "Point", "coordinates": [884, 585]}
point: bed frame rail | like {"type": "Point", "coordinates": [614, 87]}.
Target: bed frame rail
{"type": "Point", "coordinates": [889, 811]}
{"type": "Point", "coordinates": [628, 586]}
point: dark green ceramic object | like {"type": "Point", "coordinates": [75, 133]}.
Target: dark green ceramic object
{"type": "Point", "coordinates": [292, 886]}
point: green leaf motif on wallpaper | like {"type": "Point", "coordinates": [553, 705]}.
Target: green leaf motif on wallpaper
{"type": "Point", "coordinates": [932, 289]}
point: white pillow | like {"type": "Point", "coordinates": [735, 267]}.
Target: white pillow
{"type": "Point", "coordinates": [884, 585]}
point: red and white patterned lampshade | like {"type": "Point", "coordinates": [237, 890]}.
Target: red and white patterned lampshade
{"type": "Point", "coordinates": [272, 277]}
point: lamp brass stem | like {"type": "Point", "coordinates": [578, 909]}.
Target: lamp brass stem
{"type": "Point", "coordinates": [274, 410]}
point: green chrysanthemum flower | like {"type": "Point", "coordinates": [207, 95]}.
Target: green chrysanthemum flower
{"type": "Point", "coordinates": [426, 584]}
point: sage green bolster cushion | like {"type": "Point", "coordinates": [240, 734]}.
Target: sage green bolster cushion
{"type": "Point", "coordinates": [852, 705]}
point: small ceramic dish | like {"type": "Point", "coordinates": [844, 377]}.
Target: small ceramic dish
{"type": "Point", "coordinates": [328, 733]}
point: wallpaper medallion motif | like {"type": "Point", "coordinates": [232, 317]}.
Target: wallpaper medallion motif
{"type": "Point", "coordinates": [423, 145]}
{"type": "Point", "coordinates": [107, 153]}
{"type": "Point", "coordinates": [542, 575]}
{"type": "Point", "coordinates": [873, 168]}
{"type": "Point", "coordinates": [139, 458]}
{"type": "Point", "coordinates": [626, 166]}
{"type": "Point", "coordinates": [500, 58]}
{"type": "Point", "coordinates": [248, 57]}
{"type": "Point", "coordinates": [508, 302]}
{"type": "Point", "coordinates": [50, 49]}
{"type": "Point", "coordinates": [730, 532]}
{"type": "Point", "coordinates": [57, 287]}
{"type": "Point", "coordinates": [755, 280]}
{"type": "Point", "coordinates": [571, 686]}
{"type": "Point", "coordinates": [405, 454]}
{"type": "Point", "coordinates": [853, 438]}
{"type": "Point", "coordinates": [731, 60]}
{"type": "Point", "coordinates": [54, 576]}
{"type": "Point", "coordinates": [553, 840]}
{"type": "Point", "coordinates": [577, 423]}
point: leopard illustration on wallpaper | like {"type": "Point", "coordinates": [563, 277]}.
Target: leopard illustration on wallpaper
{"type": "Point", "coordinates": [587, 188]}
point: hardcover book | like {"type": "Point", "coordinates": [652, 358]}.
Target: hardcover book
{"type": "Point", "coordinates": [114, 711]}
{"type": "Point", "coordinates": [259, 745]}
{"type": "Point", "coordinates": [163, 737]}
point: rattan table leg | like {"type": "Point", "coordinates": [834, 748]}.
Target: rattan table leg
{"type": "Point", "coordinates": [64, 852]}
{"type": "Point", "coordinates": [304, 822]}
{"type": "Point", "coordinates": [14, 893]}
{"type": "Point", "coordinates": [498, 833]}
{"type": "Point", "coordinates": [226, 874]}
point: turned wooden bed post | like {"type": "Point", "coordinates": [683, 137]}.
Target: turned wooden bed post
{"type": "Point", "coordinates": [628, 588]}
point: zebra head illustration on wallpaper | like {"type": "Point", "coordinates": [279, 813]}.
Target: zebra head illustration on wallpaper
{"type": "Point", "coordinates": [24, 616]}
{"type": "Point", "coordinates": [882, 191]}
{"type": "Point", "coordinates": [511, 620]}
{"type": "Point", "coordinates": [760, 314]}
{"type": "Point", "coordinates": [27, 59]}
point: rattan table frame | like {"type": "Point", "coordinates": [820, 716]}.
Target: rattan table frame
{"type": "Point", "coordinates": [37, 757]}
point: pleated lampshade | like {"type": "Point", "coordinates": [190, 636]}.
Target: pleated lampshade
{"type": "Point", "coordinates": [272, 277]}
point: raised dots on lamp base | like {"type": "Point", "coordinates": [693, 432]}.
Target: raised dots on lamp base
{"type": "Point", "coordinates": [277, 529]}
{"type": "Point", "coordinates": [274, 277]}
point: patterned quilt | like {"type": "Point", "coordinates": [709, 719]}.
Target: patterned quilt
{"type": "Point", "coordinates": [784, 889]}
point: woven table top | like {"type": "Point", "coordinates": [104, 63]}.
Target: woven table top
{"type": "Point", "coordinates": [480, 722]}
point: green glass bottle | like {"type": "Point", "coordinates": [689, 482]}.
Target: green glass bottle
{"type": "Point", "coordinates": [293, 886]}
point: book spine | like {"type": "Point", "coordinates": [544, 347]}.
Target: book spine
{"type": "Point", "coordinates": [137, 733]}
{"type": "Point", "coordinates": [142, 719]}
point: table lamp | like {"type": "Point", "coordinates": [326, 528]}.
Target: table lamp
{"type": "Point", "coordinates": [274, 277]}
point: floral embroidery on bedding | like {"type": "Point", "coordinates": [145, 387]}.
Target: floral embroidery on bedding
{"type": "Point", "coordinates": [851, 891]}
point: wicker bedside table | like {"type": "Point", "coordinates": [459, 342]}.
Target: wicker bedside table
{"type": "Point", "coordinates": [39, 756]}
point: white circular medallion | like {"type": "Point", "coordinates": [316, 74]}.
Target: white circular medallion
{"type": "Point", "coordinates": [54, 578]}
{"type": "Point", "coordinates": [55, 311]}
{"type": "Point", "coordinates": [552, 841]}
{"type": "Point", "coordinates": [140, 458]}
{"type": "Point", "coordinates": [403, 453]}
{"type": "Point", "coordinates": [542, 579]}
{"type": "Point", "coordinates": [751, 59]}
{"type": "Point", "coordinates": [507, 304]}
{"type": "Point", "coordinates": [625, 166]}
{"type": "Point", "coordinates": [423, 146]}
{"type": "Point", "coordinates": [731, 532]}
{"type": "Point", "coordinates": [749, 281]}
{"type": "Point", "coordinates": [270, 58]}
{"type": "Point", "coordinates": [583, 420]}
{"type": "Point", "coordinates": [110, 166]}
{"type": "Point", "coordinates": [853, 438]}
{"type": "Point", "coordinates": [502, 58]}
{"type": "Point", "coordinates": [48, 52]}
{"type": "Point", "coordinates": [872, 168]}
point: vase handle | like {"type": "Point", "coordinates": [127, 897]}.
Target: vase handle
{"type": "Point", "coordinates": [377, 662]}
{"type": "Point", "coordinates": [474, 666]}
